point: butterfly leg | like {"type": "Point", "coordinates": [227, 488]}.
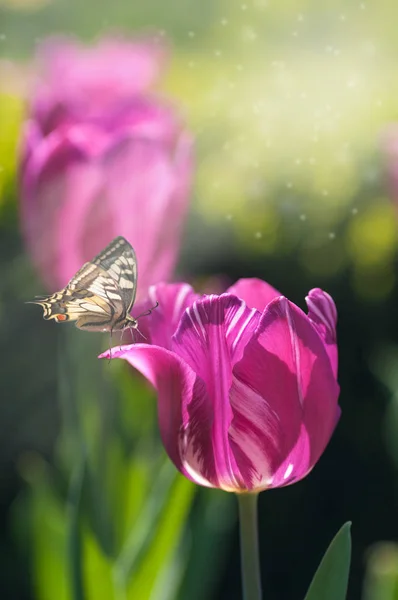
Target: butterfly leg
{"type": "Point", "coordinates": [121, 337]}
{"type": "Point", "coordinates": [140, 332]}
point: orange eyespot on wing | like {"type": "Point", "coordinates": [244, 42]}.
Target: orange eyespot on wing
{"type": "Point", "coordinates": [60, 318]}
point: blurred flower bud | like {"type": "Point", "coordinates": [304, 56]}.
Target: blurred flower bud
{"type": "Point", "coordinates": [101, 157]}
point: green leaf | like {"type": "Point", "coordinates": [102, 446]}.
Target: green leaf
{"type": "Point", "coordinates": [47, 532]}
{"type": "Point", "coordinates": [154, 538]}
{"type": "Point", "coordinates": [75, 552]}
{"type": "Point", "coordinates": [57, 535]}
{"type": "Point", "coordinates": [210, 529]}
{"type": "Point", "coordinates": [331, 578]}
{"type": "Point", "coordinates": [98, 574]}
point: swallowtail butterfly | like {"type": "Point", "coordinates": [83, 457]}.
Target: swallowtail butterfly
{"type": "Point", "coordinates": [101, 294]}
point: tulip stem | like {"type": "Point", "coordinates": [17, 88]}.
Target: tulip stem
{"type": "Point", "coordinates": [249, 548]}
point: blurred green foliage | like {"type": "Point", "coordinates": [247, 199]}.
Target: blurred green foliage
{"type": "Point", "coordinates": [289, 103]}
{"type": "Point", "coordinates": [382, 576]}
{"type": "Point", "coordinates": [11, 114]}
{"type": "Point", "coordinates": [117, 524]}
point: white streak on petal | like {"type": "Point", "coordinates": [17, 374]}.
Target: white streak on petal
{"type": "Point", "coordinates": [179, 301]}
{"type": "Point", "coordinates": [197, 477]}
{"type": "Point", "coordinates": [236, 318]}
{"type": "Point", "coordinates": [288, 471]}
{"type": "Point", "coordinates": [324, 308]}
{"type": "Point", "coordinates": [295, 350]}
{"type": "Point", "coordinates": [192, 460]}
{"type": "Point", "coordinates": [199, 320]}
{"type": "Point", "coordinates": [251, 441]}
{"type": "Point", "coordinates": [192, 320]}
{"type": "Point", "coordinates": [322, 315]}
{"type": "Point", "coordinates": [243, 327]}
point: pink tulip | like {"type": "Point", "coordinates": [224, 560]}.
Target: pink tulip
{"type": "Point", "coordinates": [246, 382]}
{"type": "Point", "coordinates": [87, 82]}
{"type": "Point", "coordinates": [101, 157]}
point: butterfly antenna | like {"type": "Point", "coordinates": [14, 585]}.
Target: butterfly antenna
{"type": "Point", "coordinates": [144, 314]}
{"type": "Point", "coordinates": [147, 312]}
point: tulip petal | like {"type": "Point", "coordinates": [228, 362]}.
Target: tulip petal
{"type": "Point", "coordinates": [173, 380]}
{"type": "Point", "coordinates": [31, 138]}
{"type": "Point", "coordinates": [247, 401]}
{"type": "Point", "coordinates": [181, 395]}
{"type": "Point", "coordinates": [95, 79]}
{"type": "Point", "coordinates": [211, 337]}
{"type": "Point", "coordinates": [146, 118]}
{"type": "Point", "coordinates": [184, 166]}
{"type": "Point", "coordinates": [103, 158]}
{"type": "Point", "coordinates": [47, 184]}
{"type": "Point", "coordinates": [134, 173]}
{"type": "Point", "coordinates": [255, 292]}
{"type": "Point", "coordinates": [173, 298]}
{"type": "Point", "coordinates": [214, 330]}
{"type": "Point", "coordinates": [323, 314]}
{"type": "Point", "coordinates": [140, 174]}
{"type": "Point", "coordinates": [284, 399]}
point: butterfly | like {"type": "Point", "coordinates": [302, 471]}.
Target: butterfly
{"type": "Point", "coordinates": [101, 294]}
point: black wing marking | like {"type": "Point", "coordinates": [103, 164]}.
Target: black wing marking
{"type": "Point", "coordinates": [92, 280]}
{"type": "Point", "coordinates": [119, 260]}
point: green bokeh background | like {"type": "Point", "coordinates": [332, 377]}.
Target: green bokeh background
{"type": "Point", "coordinates": [290, 104]}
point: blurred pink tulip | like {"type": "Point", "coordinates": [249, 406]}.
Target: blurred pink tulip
{"type": "Point", "coordinates": [246, 382]}
{"type": "Point", "coordinates": [102, 158]}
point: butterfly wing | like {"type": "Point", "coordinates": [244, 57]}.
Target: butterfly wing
{"type": "Point", "coordinates": [91, 298]}
{"type": "Point", "coordinates": [118, 259]}
{"type": "Point", "coordinates": [101, 294]}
